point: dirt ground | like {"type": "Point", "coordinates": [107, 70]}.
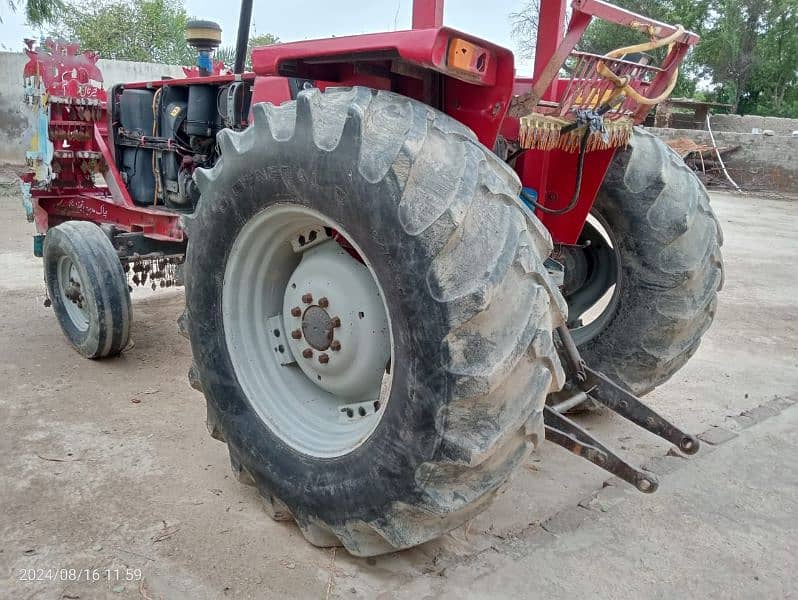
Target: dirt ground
{"type": "Point", "coordinates": [107, 466]}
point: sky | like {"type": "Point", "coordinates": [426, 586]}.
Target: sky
{"type": "Point", "coordinates": [311, 19]}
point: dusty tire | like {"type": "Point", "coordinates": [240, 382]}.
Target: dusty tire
{"type": "Point", "coordinates": [88, 288]}
{"type": "Point", "coordinates": [667, 243]}
{"type": "Point", "coordinates": [471, 309]}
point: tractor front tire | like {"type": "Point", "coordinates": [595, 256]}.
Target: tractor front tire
{"type": "Point", "coordinates": [669, 267]}
{"type": "Point", "coordinates": [88, 288]}
{"type": "Point", "coordinates": [407, 204]}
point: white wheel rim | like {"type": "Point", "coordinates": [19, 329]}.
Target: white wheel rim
{"type": "Point", "coordinates": [600, 314]}
{"type": "Point", "coordinates": [307, 331]}
{"type": "Point", "coordinates": [70, 288]}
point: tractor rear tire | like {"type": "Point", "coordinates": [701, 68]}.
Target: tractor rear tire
{"type": "Point", "coordinates": [434, 217]}
{"type": "Point", "coordinates": [88, 288]}
{"type": "Point", "coordinates": [667, 242]}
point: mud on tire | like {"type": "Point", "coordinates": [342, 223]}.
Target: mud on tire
{"type": "Point", "coordinates": [669, 240]}
{"type": "Point", "coordinates": [471, 306]}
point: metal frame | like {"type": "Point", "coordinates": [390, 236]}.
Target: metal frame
{"type": "Point", "coordinates": [552, 173]}
{"type": "Point", "coordinates": [553, 48]}
{"type": "Point", "coordinates": [413, 62]}
{"type": "Point", "coordinates": [80, 147]}
{"type": "Point", "coordinates": [428, 14]}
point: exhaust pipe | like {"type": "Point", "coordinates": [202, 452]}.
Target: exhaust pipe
{"type": "Point", "coordinates": [244, 20]}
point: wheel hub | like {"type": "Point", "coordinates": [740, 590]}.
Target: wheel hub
{"type": "Point", "coordinates": [592, 279]}
{"type": "Point", "coordinates": [576, 268]}
{"type": "Point", "coordinates": [339, 328]}
{"type": "Point", "coordinates": [307, 330]}
{"type": "Point", "coordinates": [72, 293]}
{"type": "Point", "coordinates": [317, 327]}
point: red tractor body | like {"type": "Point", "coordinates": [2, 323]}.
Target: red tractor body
{"type": "Point", "coordinates": [470, 79]}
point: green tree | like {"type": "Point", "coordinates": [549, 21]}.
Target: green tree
{"type": "Point", "coordinates": [748, 54]}
{"type": "Point", "coordinates": [228, 53]}
{"type": "Point", "coordinates": [751, 53]}
{"type": "Point", "coordinates": [38, 12]}
{"type": "Point", "coordinates": [728, 50]}
{"type": "Point", "coordinates": [773, 85]}
{"type": "Point", "coordinates": [140, 30]}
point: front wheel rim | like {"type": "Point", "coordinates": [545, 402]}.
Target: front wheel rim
{"type": "Point", "coordinates": [307, 330]}
{"type": "Point", "coordinates": [70, 289]}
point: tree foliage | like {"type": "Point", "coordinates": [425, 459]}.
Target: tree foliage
{"type": "Point", "coordinates": [140, 30]}
{"type": "Point", "coordinates": [38, 12]}
{"type": "Point", "coordinates": [750, 50]}
{"type": "Point", "coordinates": [228, 53]}
{"type": "Point", "coordinates": [525, 27]}
{"type": "Point", "coordinates": [748, 55]}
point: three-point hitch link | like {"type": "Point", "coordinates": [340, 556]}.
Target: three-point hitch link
{"type": "Point", "coordinates": [590, 384]}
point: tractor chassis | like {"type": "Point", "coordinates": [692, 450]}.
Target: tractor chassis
{"type": "Point", "coordinates": [588, 384]}
{"type": "Point", "coordinates": [136, 245]}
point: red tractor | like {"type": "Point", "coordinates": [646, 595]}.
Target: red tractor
{"type": "Point", "coordinates": [403, 266]}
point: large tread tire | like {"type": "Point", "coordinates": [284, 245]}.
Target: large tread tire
{"type": "Point", "coordinates": [104, 287]}
{"type": "Point", "coordinates": [472, 309]}
{"type": "Point", "coordinates": [672, 269]}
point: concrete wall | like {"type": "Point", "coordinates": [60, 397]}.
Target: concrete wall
{"type": "Point", "coordinates": [744, 124]}
{"type": "Point", "coordinates": [761, 162]}
{"type": "Point", "coordinates": [14, 118]}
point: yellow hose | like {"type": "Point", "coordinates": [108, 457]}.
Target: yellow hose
{"type": "Point", "coordinates": [622, 83]}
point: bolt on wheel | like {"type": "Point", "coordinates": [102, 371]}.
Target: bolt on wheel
{"type": "Point", "coordinates": [307, 330]}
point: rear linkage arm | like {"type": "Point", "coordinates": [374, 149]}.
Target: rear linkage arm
{"type": "Point", "coordinates": [564, 432]}
{"type": "Point", "coordinates": [593, 384]}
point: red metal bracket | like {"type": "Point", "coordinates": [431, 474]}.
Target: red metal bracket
{"type": "Point", "coordinates": [427, 14]}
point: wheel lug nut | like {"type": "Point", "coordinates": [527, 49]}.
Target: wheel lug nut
{"type": "Point", "coordinates": [335, 346]}
{"type": "Point", "coordinates": [307, 353]}
{"type": "Point", "coordinates": [324, 359]}
{"type": "Point", "coordinates": [307, 298]}
{"type": "Point", "coordinates": [323, 302]}
{"type": "Point", "coordinates": [335, 322]}
{"type": "Point", "coordinates": [296, 312]}
{"type": "Point", "coordinates": [296, 334]}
